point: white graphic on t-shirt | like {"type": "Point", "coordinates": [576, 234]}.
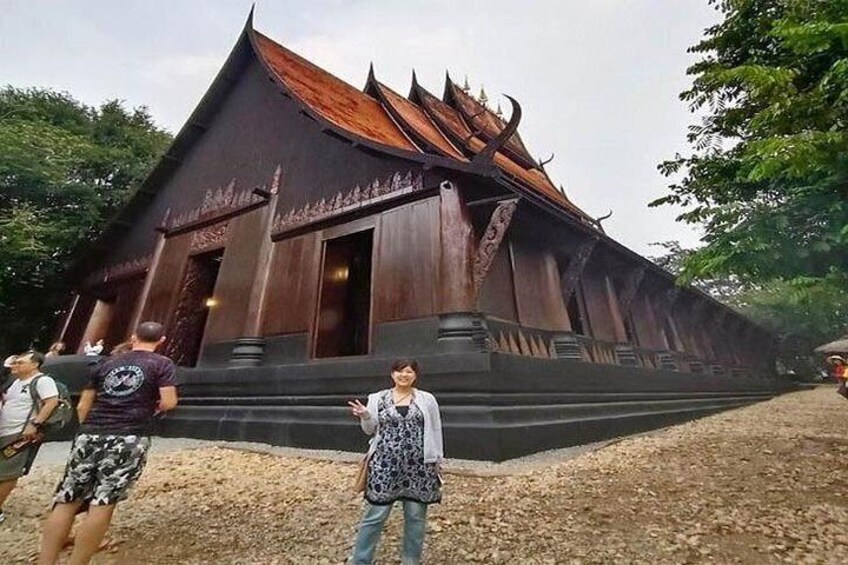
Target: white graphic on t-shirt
{"type": "Point", "coordinates": [123, 380]}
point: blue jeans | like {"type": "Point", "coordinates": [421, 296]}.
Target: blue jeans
{"type": "Point", "coordinates": [414, 521]}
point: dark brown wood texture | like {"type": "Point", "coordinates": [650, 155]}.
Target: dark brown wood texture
{"type": "Point", "coordinates": [293, 285]}
{"type": "Point", "coordinates": [594, 284]}
{"type": "Point", "coordinates": [125, 295]}
{"type": "Point", "coordinates": [255, 130]}
{"type": "Point", "coordinates": [537, 287]}
{"type": "Point", "coordinates": [79, 316]}
{"type": "Point", "coordinates": [682, 316]}
{"type": "Point", "coordinates": [407, 278]}
{"type": "Point", "coordinates": [343, 320]}
{"type": "Point", "coordinates": [491, 240]}
{"type": "Point", "coordinates": [235, 279]}
{"type": "Point", "coordinates": [168, 276]}
{"type": "Point", "coordinates": [497, 296]}
{"type": "Point", "coordinates": [98, 324]}
{"type": "Point", "coordinates": [457, 250]}
{"type": "Point", "coordinates": [645, 323]}
{"type": "Point", "coordinates": [186, 327]}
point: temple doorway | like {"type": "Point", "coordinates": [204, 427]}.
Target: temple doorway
{"type": "Point", "coordinates": [344, 306]}
{"type": "Point", "coordinates": [196, 298]}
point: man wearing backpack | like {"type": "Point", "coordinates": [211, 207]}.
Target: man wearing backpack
{"type": "Point", "coordinates": [27, 402]}
{"type": "Point", "coordinates": [116, 410]}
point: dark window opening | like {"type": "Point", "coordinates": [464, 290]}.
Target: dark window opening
{"type": "Point", "coordinates": [344, 307]}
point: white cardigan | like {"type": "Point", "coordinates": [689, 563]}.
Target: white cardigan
{"type": "Point", "coordinates": [426, 402]}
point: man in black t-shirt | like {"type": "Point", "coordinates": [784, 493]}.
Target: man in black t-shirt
{"type": "Point", "coordinates": [115, 410]}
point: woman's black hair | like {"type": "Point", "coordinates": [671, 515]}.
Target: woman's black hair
{"type": "Point", "coordinates": [400, 364]}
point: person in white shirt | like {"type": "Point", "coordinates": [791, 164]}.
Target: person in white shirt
{"type": "Point", "coordinates": [93, 350]}
{"type": "Point", "coordinates": [21, 418]}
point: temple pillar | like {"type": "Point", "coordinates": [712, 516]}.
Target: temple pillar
{"type": "Point", "coordinates": [458, 250]}
{"type": "Point", "coordinates": [249, 350]}
{"type": "Point", "coordinates": [152, 271]}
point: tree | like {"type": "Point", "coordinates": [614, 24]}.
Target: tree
{"type": "Point", "coordinates": [768, 177]}
{"type": "Point", "coordinates": [64, 168]}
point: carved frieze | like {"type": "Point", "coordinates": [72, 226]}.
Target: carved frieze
{"type": "Point", "coordinates": [491, 241]}
{"type": "Point", "coordinates": [119, 271]}
{"type": "Point", "coordinates": [377, 191]}
{"type": "Point", "coordinates": [209, 238]}
{"type": "Point", "coordinates": [225, 200]}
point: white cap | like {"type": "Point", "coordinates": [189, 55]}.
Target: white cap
{"type": "Point", "coordinates": [9, 360]}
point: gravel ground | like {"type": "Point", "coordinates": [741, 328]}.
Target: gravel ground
{"type": "Point", "coordinates": [762, 484]}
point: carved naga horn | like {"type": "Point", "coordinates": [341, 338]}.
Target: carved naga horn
{"type": "Point", "coordinates": [485, 156]}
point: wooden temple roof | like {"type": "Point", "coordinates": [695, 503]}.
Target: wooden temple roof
{"type": "Point", "coordinates": [483, 120]}
{"type": "Point", "coordinates": [332, 98]}
{"type": "Point", "coordinates": [454, 130]}
{"type": "Point", "coordinates": [417, 119]}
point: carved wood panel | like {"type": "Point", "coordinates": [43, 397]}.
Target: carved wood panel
{"type": "Point", "coordinates": [491, 241]}
{"type": "Point", "coordinates": [185, 331]}
{"type": "Point", "coordinates": [209, 238]}
{"type": "Point", "coordinates": [377, 191]}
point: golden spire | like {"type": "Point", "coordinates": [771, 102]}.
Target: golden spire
{"type": "Point", "coordinates": [499, 112]}
{"type": "Point", "coordinates": [466, 88]}
{"type": "Point", "coordinates": [484, 100]}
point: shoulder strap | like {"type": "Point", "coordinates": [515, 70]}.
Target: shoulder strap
{"type": "Point", "coordinates": [36, 399]}
{"type": "Point", "coordinates": [33, 389]}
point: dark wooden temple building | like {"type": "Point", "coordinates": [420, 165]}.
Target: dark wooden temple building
{"type": "Point", "coordinates": [301, 233]}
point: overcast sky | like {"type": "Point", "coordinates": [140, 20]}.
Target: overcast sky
{"type": "Point", "coordinates": [597, 79]}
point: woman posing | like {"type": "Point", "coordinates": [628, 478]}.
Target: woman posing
{"type": "Point", "coordinates": [403, 461]}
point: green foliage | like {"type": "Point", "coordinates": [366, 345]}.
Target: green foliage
{"type": "Point", "coordinates": [768, 177]}
{"type": "Point", "coordinates": [802, 313]}
{"type": "Point", "coordinates": [64, 168]}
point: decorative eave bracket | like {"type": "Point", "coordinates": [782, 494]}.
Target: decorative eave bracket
{"type": "Point", "coordinates": [570, 276]}
{"type": "Point", "coordinates": [491, 241]}
{"type": "Point", "coordinates": [631, 287]}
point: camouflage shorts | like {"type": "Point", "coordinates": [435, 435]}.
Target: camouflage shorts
{"type": "Point", "coordinates": [102, 468]}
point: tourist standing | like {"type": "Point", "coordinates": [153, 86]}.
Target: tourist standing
{"type": "Point", "coordinates": [55, 350]}
{"type": "Point", "coordinates": [404, 459]}
{"type": "Point", "coordinates": [22, 415]}
{"type": "Point", "coordinates": [115, 410]}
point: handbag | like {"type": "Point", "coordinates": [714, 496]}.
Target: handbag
{"type": "Point", "coordinates": [361, 475]}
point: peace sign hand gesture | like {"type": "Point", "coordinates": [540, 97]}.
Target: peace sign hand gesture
{"type": "Point", "coordinates": [358, 410]}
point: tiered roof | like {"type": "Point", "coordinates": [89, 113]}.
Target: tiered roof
{"type": "Point", "coordinates": [452, 130]}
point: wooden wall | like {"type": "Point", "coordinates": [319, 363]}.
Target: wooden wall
{"type": "Point", "coordinates": [164, 290]}
{"type": "Point", "coordinates": [595, 294]}
{"type": "Point", "coordinates": [235, 278]}
{"type": "Point", "coordinates": [293, 285]}
{"type": "Point", "coordinates": [538, 295]}
{"type": "Point", "coordinates": [497, 296]}
{"type": "Point", "coordinates": [407, 275]}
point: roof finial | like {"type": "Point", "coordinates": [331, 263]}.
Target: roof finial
{"type": "Point", "coordinates": [466, 88]}
{"type": "Point", "coordinates": [499, 112]}
{"type": "Point", "coordinates": [484, 100]}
